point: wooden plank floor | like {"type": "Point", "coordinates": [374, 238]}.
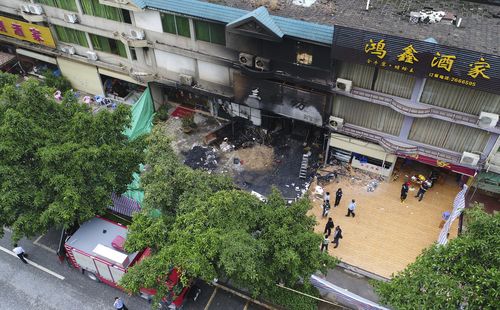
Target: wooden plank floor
{"type": "Point", "coordinates": [386, 235]}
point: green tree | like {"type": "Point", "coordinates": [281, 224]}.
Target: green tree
{"type": "Point", "coordinates": [464, 273]}
{"type": "Point", "coordinates": [208, 229]}
{"type": "Point", "coordinates": [58, 162]}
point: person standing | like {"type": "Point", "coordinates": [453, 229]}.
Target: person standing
{"type": "Point", "coordinates": [326, 208]}
{"type": "Point", "coordinates": [119, 304]}
{"type": "Point", "coordinates": [338, 196]}
{"type": "Point", "coordinates": [421, 192]}
{"type": "Point", "coordinates": [19, 251]}
{"type": "Point", "coordinates": [328, 227]}
{"type": "Point", "coordinates": [326, 199]}
{"type": "Point", "coordinates": [324, 244]}
{"type": "Point", "coordinates": [337, 235]}
{"type": "Point", "coordinates": [351, 208]}
{"type": "Point", "coordinates": [404, 191]}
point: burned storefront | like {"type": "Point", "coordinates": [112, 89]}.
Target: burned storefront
{"type": "Point", "coordinates": [278, 75]}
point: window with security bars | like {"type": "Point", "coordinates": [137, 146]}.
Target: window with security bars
{"type": "Point", "coordinates": [174, 24]}
{"type": "Point", "coordinates": [108, 45]}
{"type": "Point", "coordinates": [210, 32]}
{"type": "Point", "coordinates": [94, 8]}
{"type": "Point", "coordinates": [69, 5]}
{"type": "Point", "coordinates": [69, 35]}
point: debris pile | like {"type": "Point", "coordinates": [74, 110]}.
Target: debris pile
{"type": "Point", "coordinates": [201, 157]}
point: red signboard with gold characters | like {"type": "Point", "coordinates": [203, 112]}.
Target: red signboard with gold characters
{"type": "Point", "coordinates": [424, 59]}
{"type": "Point", "coordinates": [26, 31]}
{"type": "Point", "coordinates": [441, 164]}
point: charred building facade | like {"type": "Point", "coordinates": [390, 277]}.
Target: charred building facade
{"type": "Point", "coordinates": [382, 81]}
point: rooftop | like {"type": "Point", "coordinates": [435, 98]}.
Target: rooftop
{"type": "Point", "coordinates": [479, 29]}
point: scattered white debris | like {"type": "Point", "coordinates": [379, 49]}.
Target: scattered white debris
{"type": "Point", "coordinates": [259, 196]}
{"type": "Point", "coordinates": [304, 3]}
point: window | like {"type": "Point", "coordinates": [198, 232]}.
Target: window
{"type": "Point", "coordinates": [133, 54]}
{"type": "Point", "coordinates": [210, 32]}
{"type": "Point", "coordinates": [69, 5]}
{"type": "Point", "coordinates": [175, 24]}
{"type": "Point", "coordinates": [94, 8]}
{"type": "Point", "coordinates": [108, 45]}
{"type": "Point", "coordinates": [69, 35]}
{"type": "Point", "coordinates": [304, 54]}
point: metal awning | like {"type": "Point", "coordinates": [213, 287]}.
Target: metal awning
{"type": "Point", "coordinates": [41, 57]}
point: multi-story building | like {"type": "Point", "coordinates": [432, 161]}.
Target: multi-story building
{"type": "Point", "coordinates": [386, 79]}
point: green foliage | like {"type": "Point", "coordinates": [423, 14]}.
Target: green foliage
{"type": "Point", "coordinates": [58, 162]}
{"type": "Point", "coordinates": [210, 230]}
{"type": "Point", "coordinates": [188, 122]}
{"type": "Point", "coordinates": [6, 79]}
{"type": "Point", "coordinates": [465, 272]}
{"type": "Point", "coordinates": [162, 113]}
{"type": "Point", "coordinates": [56, 82]}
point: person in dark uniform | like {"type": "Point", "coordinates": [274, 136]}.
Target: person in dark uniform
{"type": "Point", "coordinates": [338, 196]}
{"type": "Point", "coordinates": [421, 192]}
{"type": "Point", "coordinates": [404, 191]}
{"type": "Point", "coordinates": [328, 227]}
{"type": "Point", "coordinates": [337, 235]}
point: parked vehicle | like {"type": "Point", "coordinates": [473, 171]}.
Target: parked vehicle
{"type": "Point", "coordinates": [96, 249]}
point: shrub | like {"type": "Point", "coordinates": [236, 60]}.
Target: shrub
{"type": "Point", "coordinates": [57, 82]}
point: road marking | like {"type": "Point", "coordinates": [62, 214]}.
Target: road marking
{"type": "Point", "coordinates": [43, 246]}
{"type": "Point", "coordinates": [211, 299]}
{"type": "Point", "coordinates": [34, 264]}
{"type": "Point", "coordinates": [38, 239]}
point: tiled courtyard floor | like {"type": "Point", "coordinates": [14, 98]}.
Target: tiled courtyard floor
{"type": "Point", "coordinates": [386, 235]}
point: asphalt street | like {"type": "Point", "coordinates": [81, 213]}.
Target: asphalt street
{"type": "Point", "coordinates": [50, 285]}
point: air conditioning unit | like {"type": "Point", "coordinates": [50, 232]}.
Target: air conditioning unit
{"type": "Point", "coordinates": [71, 18]}
{"type": "Point", "coordinates": [335, 123]}
{"type": "Point", "coordinates": [92, 55]}
{"type": "Point", "coordinates": [25, 8]}
{"type": "Point", "coordinates": [488, 120]}
{"type": "Point", "coordinates": [186, 79]}
{"type": "Point", "coordinates": [263, 64]}
{"type": "Point", "coordinates": [469, 159]}
{"type": "Point", "coordinates": [344, 85]}
{"type": "Point", "coordinates": [246, 59]}
{"type": "Point", "coordinates": [68, 50]}
{"type": "Point", "coordinates": [35, 9]}
{"type": "Point", "coordinates": [136, 34]}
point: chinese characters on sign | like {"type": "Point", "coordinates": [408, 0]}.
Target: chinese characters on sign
{"type": "Point", "coordinates": [26, 31]}
{"type": "Point", "coordinates": [408, 58]}
{"type": "Point", "coordinates": [378, 49]}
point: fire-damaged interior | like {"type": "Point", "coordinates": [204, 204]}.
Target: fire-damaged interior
{"type": "Point", "coordinates": [280, 98]}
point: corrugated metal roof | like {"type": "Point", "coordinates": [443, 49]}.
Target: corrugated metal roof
{"type": "Point", "coordinates": [262, 15]}
{"type": "Point", "coordinates": [216, 12]}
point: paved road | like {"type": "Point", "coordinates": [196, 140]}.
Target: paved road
{"type": "Point", "coordinates": [47, 284]}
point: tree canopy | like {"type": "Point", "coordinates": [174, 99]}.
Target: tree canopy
{"type": "Point", "coordinates": [59, 163]}
{"type": "Point", "coordinates": [464, 274]}
{"type": "Point", "coordinates": [208, 229]}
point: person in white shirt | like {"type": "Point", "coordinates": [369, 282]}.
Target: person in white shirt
{"type": "Point", "coordinates": [19, 251]}
{"type": "Point", "coordinates": [351, 208]}
{"type": "Point", "coordinates": [119, 305]}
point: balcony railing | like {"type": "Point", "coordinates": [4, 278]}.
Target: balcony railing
{"type": "Point", "coordinates": [415, 110]}
{"type": "Point", "coordinates": [395, 147]}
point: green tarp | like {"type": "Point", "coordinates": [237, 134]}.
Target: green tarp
{"type": "Point", "coordinates": [142, 123]}
{"type": "Point", "coordinates": [142, 116]}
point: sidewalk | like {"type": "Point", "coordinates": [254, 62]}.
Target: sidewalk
{"type": "Point", "coordinates": [349, 287]}
{"type": "Point", "coordinates": [353, 282]}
